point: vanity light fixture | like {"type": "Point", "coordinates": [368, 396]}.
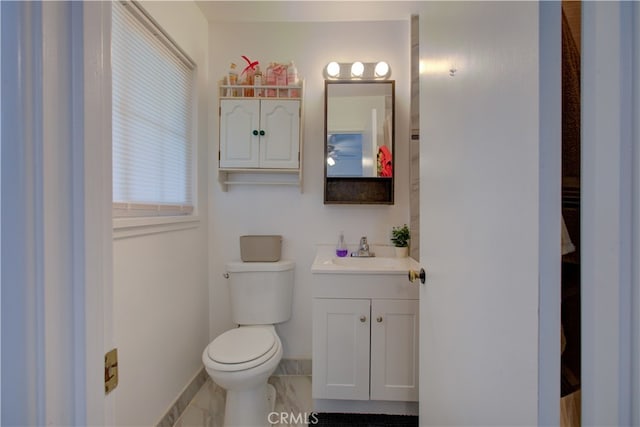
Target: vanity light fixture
{"type": "Point", "coordinates": [357, 70]}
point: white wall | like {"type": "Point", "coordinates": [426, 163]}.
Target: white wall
{"type": "Point", "coordinates": [302, 219]}
{"type": "Point", "coordinates": [160, 281]}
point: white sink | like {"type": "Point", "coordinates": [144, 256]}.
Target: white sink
{"type": "Point", "coordinates": [327, 262]}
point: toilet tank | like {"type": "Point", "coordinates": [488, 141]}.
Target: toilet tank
{"type": "Point", "coordinates": [261, 293]}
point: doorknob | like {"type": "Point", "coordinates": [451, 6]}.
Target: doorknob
{"type": "Point", "coordinates": [415, 275]}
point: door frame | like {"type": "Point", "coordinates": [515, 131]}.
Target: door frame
{"type": "Point", "coordinates": [95, 204]}
{"type": "Point", "coordinates": [56, 219]}
{"type": "Point", "coordinates": [609, 213]}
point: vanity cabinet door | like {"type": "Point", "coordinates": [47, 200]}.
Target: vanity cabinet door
{"type": "Point", "coordinates": [341, 330]}
{"type": "Point", "coordinates": [394, 350]}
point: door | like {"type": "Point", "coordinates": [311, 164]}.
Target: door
{"type": "Point", "coordinates": [280, 144]}
{"type": "Point", "coordinates": [479, 190]}
{"type": "Point", "coordinates": [394, 350]}
{"type": "Point", "coordinates": [341, 348]}
{"type": "Point", "coordinates": [239, 133]}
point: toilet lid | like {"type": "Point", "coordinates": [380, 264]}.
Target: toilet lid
{"type": "Point", "coordinates": [241, 345]}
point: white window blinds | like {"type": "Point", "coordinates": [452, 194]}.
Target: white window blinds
{"type": "Point", "coordinates": [152, 118]}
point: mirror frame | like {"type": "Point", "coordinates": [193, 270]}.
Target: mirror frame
{"type": "Point", "coordinates": [360, 190]}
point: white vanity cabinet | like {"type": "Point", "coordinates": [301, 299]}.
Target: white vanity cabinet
{"type": "Point", "coordinates": [365, 349]}
{"type": "Point", "coordinates": [260, 133]}
{"type": "Point", "coordinates": [364, 333]}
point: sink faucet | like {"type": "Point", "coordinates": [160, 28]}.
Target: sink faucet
{"type": "Point", "coordinates": [363, 250]}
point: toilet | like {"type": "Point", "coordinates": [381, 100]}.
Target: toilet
{"type": "Point", "coordinates": [242, 359]}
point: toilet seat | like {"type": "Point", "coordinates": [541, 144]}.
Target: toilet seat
{"type": "Point", "coordinates": [242, 348]}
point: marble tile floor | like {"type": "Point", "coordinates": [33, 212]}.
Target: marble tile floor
{"type": "Point", "coordinates": [293, 395]}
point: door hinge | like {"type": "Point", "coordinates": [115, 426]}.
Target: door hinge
{"type": "Point", "coordinates": [110, 370]}
{"type": "Point", "coordinates": [219, 155]}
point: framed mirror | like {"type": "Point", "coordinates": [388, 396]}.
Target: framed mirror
{"type": "Point", "coordinates": [359, 119]}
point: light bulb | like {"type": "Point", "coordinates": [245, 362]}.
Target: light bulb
{"type": "Point", "coordinates": [382, 69]}
{"type": "Point", "coordinates": [333, 69]}
{"type": "Point", "coordinates": [357, 69]}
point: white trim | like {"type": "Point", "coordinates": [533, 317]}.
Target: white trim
{"type": "Point", "coordinates": [136, 226]}
{"type": "Point", "coordinates": [0, 215]}
{"type": "Point", "coordinates": [94, 201]}
{"type": "Point", "coordinates": [549, 257]}
{"type": "Point", "coordinates": [21, 83]}
{"type": "Point", "coordinates": [606, 226]}
{"type": "Point", "coordinates": [635, 208]}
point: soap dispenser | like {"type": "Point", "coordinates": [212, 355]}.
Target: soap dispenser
{"type": "Point", "coordinates": [341, 248]}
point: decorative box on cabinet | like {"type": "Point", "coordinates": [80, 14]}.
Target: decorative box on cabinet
{"type": "Point", "coordinates": [260, 139]}
{"type": "Point", "coordinates": [365, 349]}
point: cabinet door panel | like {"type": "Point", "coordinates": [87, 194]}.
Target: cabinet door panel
{"type": "Point", "coordinates": [239, 148]}
{"type": "Point", "coordinates": [394, 350]}
{"type": "Point", "coordinates": [280, 121]}
{"type": "Point", "coordinates": [341, 349]}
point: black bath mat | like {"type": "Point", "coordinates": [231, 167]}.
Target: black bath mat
{"type": "Point", "coordinates": [363, 420]}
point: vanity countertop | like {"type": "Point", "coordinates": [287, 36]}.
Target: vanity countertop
{"type": "Point", "coordinates": [385, 262]}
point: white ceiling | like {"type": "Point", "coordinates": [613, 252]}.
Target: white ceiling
{"type": "Point", "coordinates": [306, 10]}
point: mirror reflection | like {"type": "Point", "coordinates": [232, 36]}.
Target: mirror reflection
{"type": "Point", "coordinates": [359, 141]}
{"type": "Point", "coordinates": [359, 129]}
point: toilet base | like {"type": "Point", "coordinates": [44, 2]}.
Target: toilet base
{"type": "Point", "coordinates": [245, 408]}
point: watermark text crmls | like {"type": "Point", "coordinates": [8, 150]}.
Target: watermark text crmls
{"type": "Point", "coordinates": [309, 418]}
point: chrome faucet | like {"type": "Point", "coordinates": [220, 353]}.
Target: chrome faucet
{"type": "Point", "coordinates": [363, 250]}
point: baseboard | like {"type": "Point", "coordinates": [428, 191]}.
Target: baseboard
{"type": "Point", "coordinates": [181, 403]}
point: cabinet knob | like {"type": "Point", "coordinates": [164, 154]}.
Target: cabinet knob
{"type": "Point", "coordinates": [261, 133]}
{"type": "Point", "coordinates": [255, 132]}
{"type": "Point", "coordinates": [363, 318]}
{"type": "Point", "coordinates": [379, 319]}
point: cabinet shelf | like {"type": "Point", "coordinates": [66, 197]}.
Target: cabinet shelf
{"type": "Point", "coordinates": [252, 177]}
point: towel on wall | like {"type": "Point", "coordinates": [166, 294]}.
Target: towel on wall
{"type": "Point", "coordinates": [384, 161]}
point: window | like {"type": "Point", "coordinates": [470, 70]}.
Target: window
{"type": "Point", "coordinates": [152, 118]}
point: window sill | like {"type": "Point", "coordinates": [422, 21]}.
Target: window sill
{"type": "Point", "coordinates": [133, 227]}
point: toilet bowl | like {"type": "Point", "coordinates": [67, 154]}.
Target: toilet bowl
{"type": "Point", "coordinates": [241, 361]}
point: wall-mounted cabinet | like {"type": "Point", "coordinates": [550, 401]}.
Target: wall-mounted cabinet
{"type": "Point", "coordinates": [260, 139]}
